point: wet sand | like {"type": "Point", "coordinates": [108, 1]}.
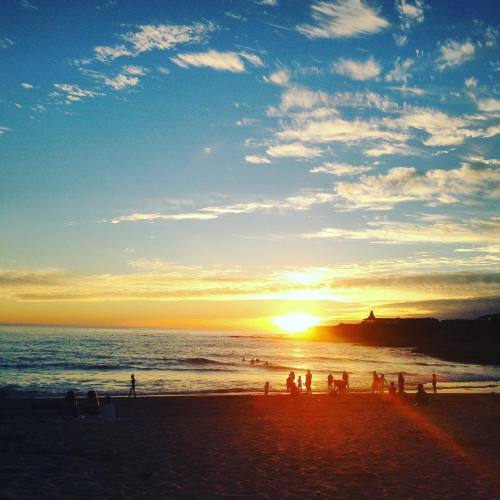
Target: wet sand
{"type": "Point", "coordinates": [356, 446]}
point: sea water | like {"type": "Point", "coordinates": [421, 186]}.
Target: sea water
{"type": "Point", "coordinates": [48, 361]}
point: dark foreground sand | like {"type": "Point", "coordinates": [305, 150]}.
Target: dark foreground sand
{"type": "Point", "coordinates": [357, 446]}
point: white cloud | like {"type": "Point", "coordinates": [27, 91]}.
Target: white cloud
{"type": "Point", "coordinates": [470, 83]}
{"type": "Point", "coordinates": [154, 37]}
{"type": "Point", "coordinates": [219, 61]}
{"type": "Point", "coordinates": [105, 53]}
{"type": "Point", "coordinates": [340, 169]}
{"type": "Point", "coordinates": [404, 184]}
{"type": "Point", "coordinates": [342, 19]}
{"type": "Point", "coordinates": [323, 131]}
{"type": "Point", "coordinates": [267, 3]}
{"type": "Point", "coordinates": [299, 202]}
{"type": "Point", "coordinates": [26, 85]}
{"type": "Point", "coordinates": [73, 93]}
{"type": "Point", "coordinates": [443, 129]}
{"type": "Point", "coordinates": [280, 77]}
{"type": "Point", "coordinates": [358, 70]}
{"type": "Point", "coordinates": [488, 105]}
{"type": "Point", "coordinates": [410, 14]}
{"type": "Point", "coordinates": [294, 150]}
{"type": "Point", "coordinates": [4, 129]}
{"type": "Point", "coordinates": [481, 159]}
{"type": "Point", "coordinates": [389, 149]}
{"type": "Point", "coordinates": [453, 53]}
{"type": "Point", "coordinates": [243, 122]}
{"type": "Point", "coordinates": [120, 81]}
{"type": "Point", "coordinates": [134, 70]}
{"type": "Point", "coordinates": [257, 159]}
{"type": "Point", "coordinates": [442, 232]}
{"type": "Point", "coordinates": [401, 71]}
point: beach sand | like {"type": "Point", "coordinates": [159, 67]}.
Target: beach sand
{"type": "Point", "coordinates": [356, 446]}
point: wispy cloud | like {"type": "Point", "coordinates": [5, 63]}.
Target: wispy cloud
{"type": "Point", "coordinates": [25, 4]}
{"type": "Point", "coordinates": [358, 70]}
{"type": "Point", "coordinates": [342, 19]}
{"type": "Point", "coordinates": [219, 61]}
{"type": "Point", "coordinates": [340, 169]}
{"type": "Point", "coordinates": [26, 85]}
{"type": "Point", "coordinates": [453, 53]}
{"type": "Point", "coordinates": [293, 150]}
{"type": "Point", "coordinates": [74, 93]}
{"type": "Point", "coordinates": [149, 37]}
{"type": "Point", "coordinates": [5, 43]}
{"type": "Point", "coordinates": [472, 232]}
{"type": "Point", "coordinates": [405, 184]}
{"type": "Point", "coordinates": [280, 77]}
{"type": "Point", "coordinates": [257, 159]}
{"type": "Point", "coordinates": [410, 14]}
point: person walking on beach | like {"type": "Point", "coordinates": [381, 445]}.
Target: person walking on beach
{"type": "Point", "coordinates": [401, 382]}
{"type": "Point", "coordinates": [434, 383]}
{"type": "Point", "coordinates": [266, 389]}
{"type": "Point", "coordinates": [299, 384]}
{"type": "Point", "coordinates": [345, 378]}
{"type": "Point", "coordinates": [375, 382]}
{"type": "Point", "coordinates": [330, 382]}
{"type": "Point", "coordinates": [382, 383]}
{"type": "Point", "coordinates": [309, 381]}
{"type": "Point", "coordinates": [289, 382]}
{"type": "Point", "coordinates": [132, 386]}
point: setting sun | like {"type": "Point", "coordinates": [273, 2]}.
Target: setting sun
{"type": "Point", "coordinates": [296, 322]}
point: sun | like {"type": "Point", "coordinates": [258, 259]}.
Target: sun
{"type": "Point", "coordinates": [296, 322]}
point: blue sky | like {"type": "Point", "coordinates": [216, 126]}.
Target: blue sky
{"type": "Point", "coordinates": [337, 155]}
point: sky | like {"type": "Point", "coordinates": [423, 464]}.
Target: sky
{"type": "Point", "coordinates": [200, 164]}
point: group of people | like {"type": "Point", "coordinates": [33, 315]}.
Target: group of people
{"type": "Point", "coordinates": [295, 388]}
{"type": "Point", "coordinates": [340, 386]}
{"type": "Point", "coordinates": [90, 407]}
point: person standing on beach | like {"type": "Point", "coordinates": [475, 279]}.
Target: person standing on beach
{"type": "Point", "coordinates": [382, 383]}
{"type": "Point", "coordinates": [434, 383]}
{"type": "Point", "coordinates": [401, 382]}
{"type": "Point", "coordinates": [330, 382]}
{"type": "Point", "coordinates": [299, 384]}
{"type": "Point", "coordinates": [345, 378]}
{"type": "Point", "coordinates": [375, 383]}
{"type": "Point", "coordinates": [132, 386]}
{"type": "Point", "coordinates": [266, 389]}
{"type": "Point", "coordinates": [309, 381]}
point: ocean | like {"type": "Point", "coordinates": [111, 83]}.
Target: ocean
{"type": "Point", "coordinates": [48, 361]}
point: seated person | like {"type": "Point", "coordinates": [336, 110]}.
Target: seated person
{"type": "Point", "coordinates": [421, 398]}
{"type": "Point", "coordinates": [108, 410]}
{"type": "Point", "coordinates": [392, 389]}
{"type": "Point", "coordinates": [92, 403]}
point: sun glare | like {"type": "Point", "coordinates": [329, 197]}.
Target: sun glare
{"type": "Point", "coordinates": [296, 322]}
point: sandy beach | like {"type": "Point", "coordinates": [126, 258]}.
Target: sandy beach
{"type": "Point", "coordinates": [356, 446]}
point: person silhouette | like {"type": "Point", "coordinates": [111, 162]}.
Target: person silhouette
{"type": "Point", "coordinates": [421, 398]}
{"type": "Point", "coordinates": [382, 383]}
{"type": "Point", "coordinates": [132, 386]}
{"type": "Point", "coordinates": [309, 381]}
{"type": "Point", "coordinates": [401, 382]}
{"type": "Point", "coordinates": [266, 389]}
{"type": "Point", "coordinates": [434, 383]}
{"type": "Point", "coordinates": [375, 382]}
{"type": "Point", "coordinates": [345, 378]}
{"type": "Point", "coordinates": [330, 382]}
{"type": "Point", "coordinates": [392, 389]}
{"type": "Point", "coordinates": [299, 384]}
